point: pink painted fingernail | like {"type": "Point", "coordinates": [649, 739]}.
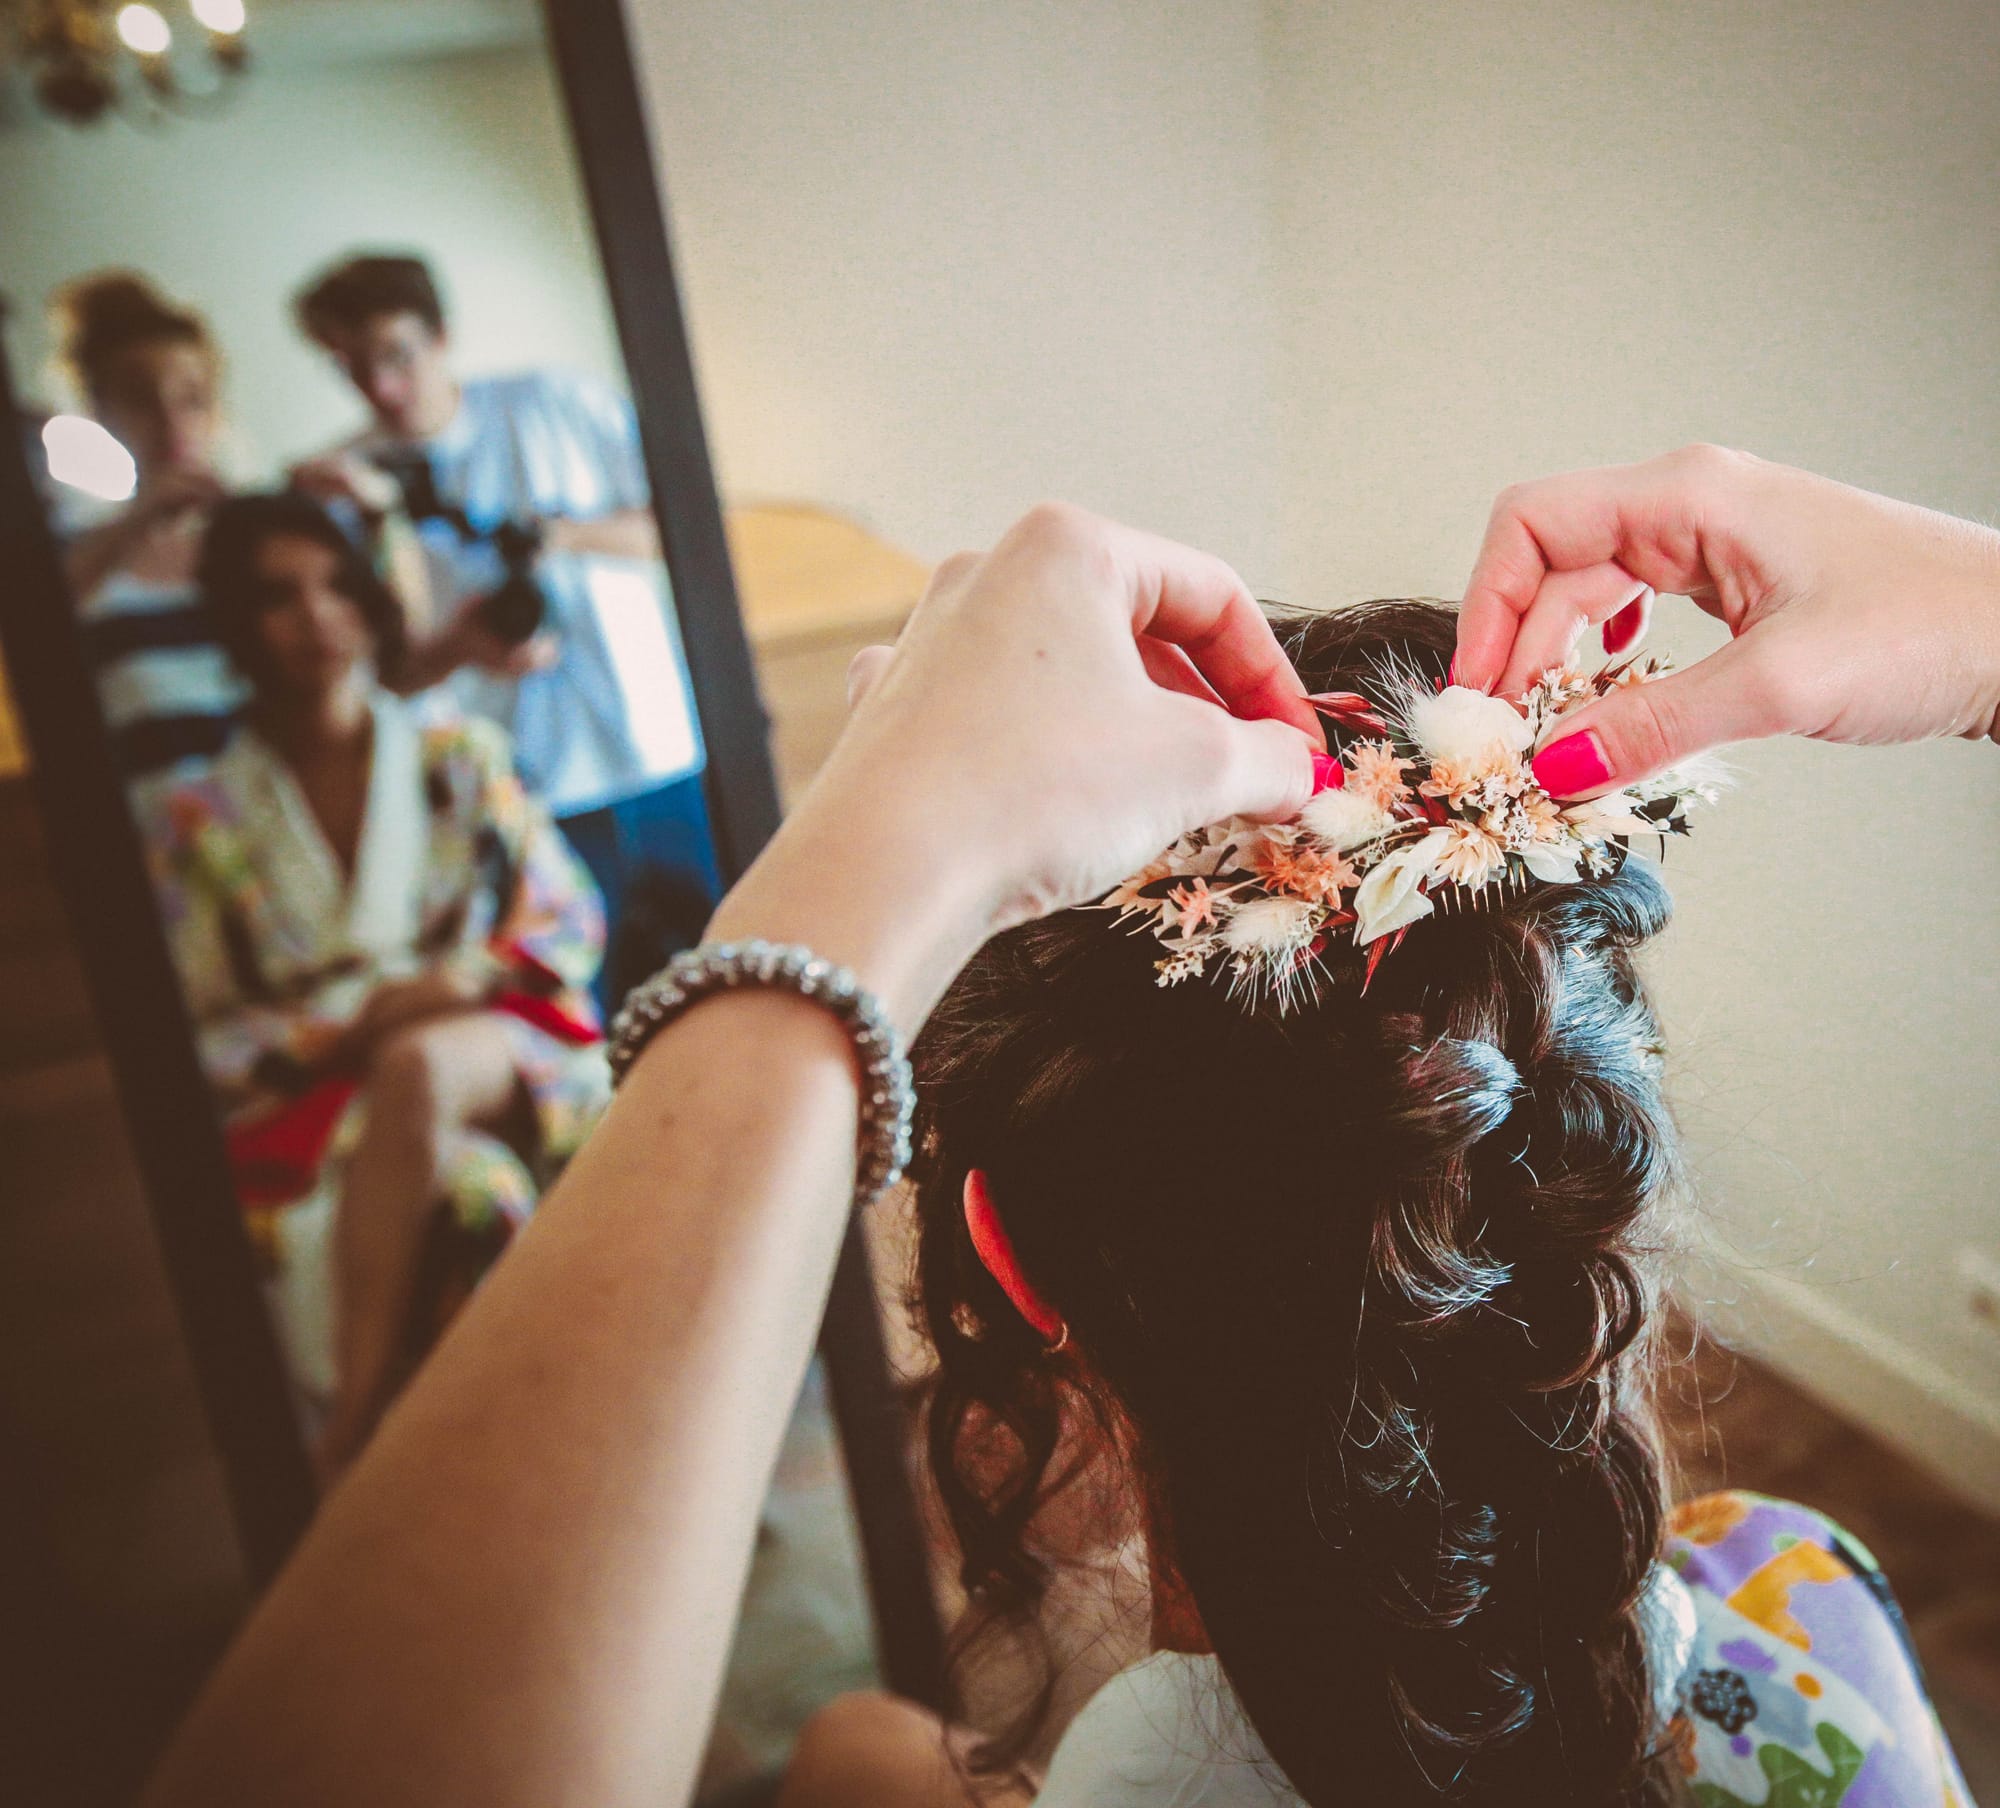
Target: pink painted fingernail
{"type": "Point", "coordinates": [1328, 773]}
{"type": "Point", "coordinates": [1451, 672]}
{"type": "Point", "coordinates": [1576, 763]}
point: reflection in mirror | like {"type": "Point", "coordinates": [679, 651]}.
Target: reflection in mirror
{"type": "Point", "coordinates": [357, 527]}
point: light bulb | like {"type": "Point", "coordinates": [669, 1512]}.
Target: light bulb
{"type": "Point", "coordinates": [223, 17]}
{"type": "Point", "coordinates": [84, 456]}
{"type": "Point", "coordinates": [144, 30]}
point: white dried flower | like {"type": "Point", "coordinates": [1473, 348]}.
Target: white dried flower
{"type": "Point", "coordinates": [1700, 775]}
{"type": "Point", "coordinates": [1471, 857]}
{"type": "Point", "coordinates": [1346, 819]}
{"type": "Point", "coordinates": [1466, 729]}
{"type": "Point", "coordinates": [1271, 927]}
{"type": "Point", "coordinates": [1553, 865]}
{"type": "Point", "coordinates": [1185, 963]}
{"type": "Point", "coordinates": [1388, 897]}
{"type": "Point", "coordinates": [1603, 817]}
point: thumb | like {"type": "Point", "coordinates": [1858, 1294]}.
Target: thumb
{"type": "Point", "coordinates": [1261, 769]}
{"type": "Point", "coordinates": [1641, 729]}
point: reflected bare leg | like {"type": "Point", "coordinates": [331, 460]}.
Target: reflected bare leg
{"type": "Point", "coordinates": [427, 1084]}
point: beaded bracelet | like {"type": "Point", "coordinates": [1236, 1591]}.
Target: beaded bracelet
{"type": "Point", "coordinates": [882, 1141]}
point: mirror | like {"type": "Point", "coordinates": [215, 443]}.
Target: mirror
{"type": "Point", "coordinates": [327, 410]}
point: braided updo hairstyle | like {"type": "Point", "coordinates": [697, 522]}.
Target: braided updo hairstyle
{"type": "Point", "coordinates": [1364, 1291]}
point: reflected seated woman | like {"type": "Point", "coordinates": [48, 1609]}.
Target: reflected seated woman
{"type": "Point", "coordinates": [388, 950]}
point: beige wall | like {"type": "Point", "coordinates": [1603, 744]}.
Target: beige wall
{"type": "Point", "coordinates": [464, 157]}
{"type": "Point", "coordinates": [945, 260]}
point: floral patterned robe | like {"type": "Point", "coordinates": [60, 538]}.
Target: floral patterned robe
{"type": "Point", "coordinates": [278, 951]}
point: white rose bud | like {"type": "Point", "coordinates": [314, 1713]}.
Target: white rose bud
{"type": "Point", "coordinates": [1388, 898]}
{"type": "Point", "coordinates": [1466, 728]}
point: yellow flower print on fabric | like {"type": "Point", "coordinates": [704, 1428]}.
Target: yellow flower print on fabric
{"type": "Point", "coordinates": [1709, 1518]}
{"type": "Point", "coordinates": [1765, 1596]}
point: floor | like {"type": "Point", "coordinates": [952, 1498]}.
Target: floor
{"type": "Point", "coordinates": [120, 1574]}
{"type": "Point", "coordinates": [804, 1633]}
{"type": "Point", "coordinates": [1734, 1423]}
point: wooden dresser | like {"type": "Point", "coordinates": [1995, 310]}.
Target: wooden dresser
{"type": "Point", "coordinates": [815, 590]}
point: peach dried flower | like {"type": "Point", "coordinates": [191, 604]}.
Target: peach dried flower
{"type": "Point", "coordinates": [1303, 870]}
{"type": "Point", "coordinates": [1375, 772]}
{"type": "Point", "coordinates": [1195, 904]}
{"type": "Point", "coordinates": [1470, 857]}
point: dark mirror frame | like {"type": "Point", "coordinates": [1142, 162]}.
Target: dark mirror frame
{"type": "Point", "coordinates": [99, 865]}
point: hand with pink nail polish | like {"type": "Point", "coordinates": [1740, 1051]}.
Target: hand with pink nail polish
{"type": "Point", "coordinates": [1853, 617]}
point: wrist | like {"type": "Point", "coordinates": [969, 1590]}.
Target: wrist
{"type": "Point", "coordinates": [886, 893]}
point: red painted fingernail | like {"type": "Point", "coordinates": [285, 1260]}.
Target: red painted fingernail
{"type": "Point", "coordinates": [1575, 763]}
{"type": "Point", "coordinates": [1328, 773]}
{"type": "Point", "coordinates": [1622, 629]}
{"type": "Point", "coordinates": [1451, 672]}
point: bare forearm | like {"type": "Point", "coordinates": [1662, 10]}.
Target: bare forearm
{"type": "Point", "coordinates": [598, 1430]}
{"type": "Point", "coordinates": [428, 659]}
{"type": "Point", "coordinates": [552, 1443]}
{"type": "Point", "coordinates": [524, 1590]}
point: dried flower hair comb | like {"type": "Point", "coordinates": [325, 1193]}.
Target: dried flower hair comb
{"type": "Point", "coordinates": [1432, 808]}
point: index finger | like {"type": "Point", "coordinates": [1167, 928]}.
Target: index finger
{"type": "Point", "coordinates": [1645, 518]}
{"type": "Point", "coordinates": [1194, 601]}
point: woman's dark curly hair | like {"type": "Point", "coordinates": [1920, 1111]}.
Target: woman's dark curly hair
{"type": "Point", "coordinates": [234, 595]}
{"type": "Point", "coordinates": [1362, 1293]}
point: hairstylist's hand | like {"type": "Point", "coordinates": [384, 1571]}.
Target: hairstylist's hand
{"type": "Point", "coordinates": [1854, 618]}
{"type": "Point", "coordinates": [1073, 700]}
{"type": "Point", "coordinates": [1050, 720]}
{"type": "Point", "coordinates": [345, 477]}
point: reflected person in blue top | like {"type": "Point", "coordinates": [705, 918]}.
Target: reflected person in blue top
{"type": "Point", "coordinates": [594, 694]}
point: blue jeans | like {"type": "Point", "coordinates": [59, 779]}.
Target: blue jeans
{"type": "Point", "coordinates": [654, 860]}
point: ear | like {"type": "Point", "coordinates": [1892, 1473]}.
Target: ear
{"type": "Point", "coordinates": [989, 1238]}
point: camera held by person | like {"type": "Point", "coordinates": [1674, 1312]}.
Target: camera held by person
{"type": "Point", "coordinates": [516, 608]}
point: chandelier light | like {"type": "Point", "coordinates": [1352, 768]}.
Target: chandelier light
{"type": "Point", "coordinates": [88, 58]}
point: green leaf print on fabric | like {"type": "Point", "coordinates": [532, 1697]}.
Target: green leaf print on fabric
{"type": "Point", "coordinates": [1794, 1782]}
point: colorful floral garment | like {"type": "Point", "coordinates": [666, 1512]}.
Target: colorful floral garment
{"type": "Point", "coordinates": [1802, 1690]}
{"type": "Point", "coordinates": [1780, 1655]}
{"type": "Point", "coordinates": [278, 950]}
